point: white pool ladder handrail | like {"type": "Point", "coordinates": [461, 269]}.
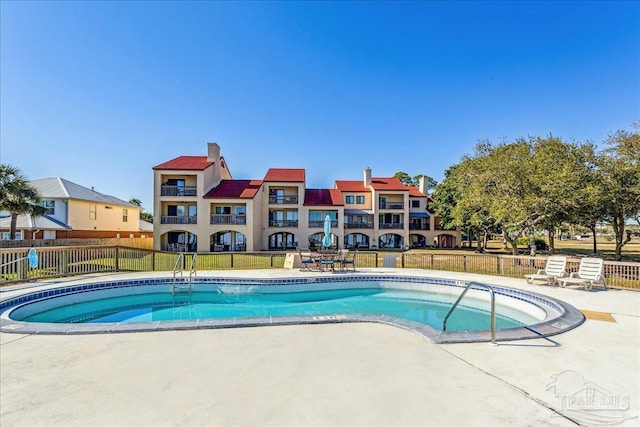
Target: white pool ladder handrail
{"type": "Point", "coordinates": [193, 270]}
{"type": "Point", "coordinates": [493, 308]}
{"type": "Point", "coordinates": [178, 266]}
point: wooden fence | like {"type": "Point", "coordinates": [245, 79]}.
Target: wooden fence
{"type": "Point", "coordinates": [135, 242]}
{"type": "Point", "coordinates": [70, 260]}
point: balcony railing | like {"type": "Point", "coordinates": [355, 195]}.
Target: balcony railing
{"type": "Point", "coordinates": [419, 227]}
{"type": "Point", "coordinates": [391, 205]}
{"type": "Point", "coordinates": [283, 223]}
{"type": "Point", "coordinates": [230, 219]}
{"type": "Point", "coordinates": [320, 224]}
{"type": "Point", "coordinates": [178, 190]}
{"type": "Point", "coordinates": [166, 219]}
{"type": "Point", "coordinates": [391, 226]}
{"type": "Point", "coordinates": [283, 200]}
{"type": "Point", "coordinates": [358, 225]}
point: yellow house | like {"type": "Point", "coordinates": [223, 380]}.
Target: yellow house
{"type": "Point", "coordinates": [74, 211]}
{"type": "Point", "coordinates": [199, 207]}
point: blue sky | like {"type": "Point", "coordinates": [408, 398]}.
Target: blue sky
{"type": "Point", "coordinates": [100, 92]}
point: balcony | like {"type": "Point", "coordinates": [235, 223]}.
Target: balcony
{"type": "Point", "coordinates": [358, 225]}
{"type": "Point", "coordinates": [283, 223]}
{"type": "Point", "coordinates": [391, 205]}
{"type": "Point", "coordinates": [228, 219]}
{"type": "Point", "coordinates": [419, 227]}
{"type": "Point", "coordinates": [387, 226]}
{"type": "Point", "coordinates": [320, 224]}
{"type": "Point", "coordinates": [283, 200]}
{"type": "Point", "coordinates": [178, 190]}
{"type": "Point", "coordinates": [167, 219]}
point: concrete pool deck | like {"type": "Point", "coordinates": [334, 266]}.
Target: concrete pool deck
{"type": "Point", "coordinates": [330, 374]}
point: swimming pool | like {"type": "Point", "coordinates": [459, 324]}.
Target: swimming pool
{"type": "Point", "coordinates": [416, 303]}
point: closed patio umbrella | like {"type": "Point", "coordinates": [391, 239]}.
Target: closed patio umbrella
{"type": "Point", "coordinates": [326, 240]}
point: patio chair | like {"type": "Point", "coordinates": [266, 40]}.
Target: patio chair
{"type": "Point", "coordinates": [307, 260]}
{"type": "Point", "coordinates": [590, 272]}
{"type": "Point", "coordinates": [554, 269]}
{"type": "Point", "coordinates": [348, 259]}
{"type": "Point", "coordinates": [327, 261]}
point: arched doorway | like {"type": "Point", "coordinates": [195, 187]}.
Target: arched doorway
{"type": "Point", "coordinates": [446, 241]}
{"type": "Point", "coordinates": [356, 241]}
{"type": "Point", "coordinates": [418, 241]}
{"type": "Point", "coordinates": [315, 241]}
{"type": "Point", "coordinates": [282, 241]}
{"type": "Point", "coordinates": [179, 241]}
{"type": "Point", "coordinates": [390, 241]}
{"type": "Point", "coordinates": [228, 241]}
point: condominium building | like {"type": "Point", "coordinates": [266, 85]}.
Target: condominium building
{"type": "Point", "coordinates": [199, 207]}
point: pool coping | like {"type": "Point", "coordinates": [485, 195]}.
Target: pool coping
{"type": "Point", "coordinates": [569, 318]}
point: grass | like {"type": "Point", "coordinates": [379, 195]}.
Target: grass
{"type": "Point", "coordinates": [576, 248]}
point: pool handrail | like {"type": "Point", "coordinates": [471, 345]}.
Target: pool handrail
{"type": "Point", "coordinates": [493, 308]}
{"type": "Point", "coordinates": [193, 269]}
{"type": "Point", "coordinates": [179, 263]}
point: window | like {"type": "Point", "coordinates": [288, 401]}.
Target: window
{"type": "Point", "coordinates": [360, 200]}
{"type": "Point", "coordinates": [125, 215]}
{"type": "Point", "coordinates": [332, 214]}
{"type": "Point", "coordinates": [6, 235]}
{"type": "Point", "coordinates": [92, 212]}
{"type": "Point", "coordinates": [349, 200]}
{"type": "Point", "coordinates": [292, 215]}
{"type": "Point", "coordinates": [223, 210]}
{"type": "Point", "coordinates": [315, 216]}
{"type": "Point", "coordinates": [240, 210]}
{"type": "Point", "coordinates": [49, 206]}
{"type": "Point", "coordinates": [415, 203]}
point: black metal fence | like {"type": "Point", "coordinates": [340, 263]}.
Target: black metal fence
{"type": "Point", "coordinates": [72, 260]}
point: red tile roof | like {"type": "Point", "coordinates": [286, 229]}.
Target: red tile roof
{"type": "Point", "coordinates": [235, 189]}
{"type": "Point", "coordinates": [284, 175]}
{"type": "Point", "coordinates": [393, 184]}
{"type": "Point", "coordinates": [323, 197]}
{"type": "Point", "coordinates": [355, 186]}
{"type": "Point", "coordinates": [414, 192]}
{"type": "Point", "coordinates": [186, 163]}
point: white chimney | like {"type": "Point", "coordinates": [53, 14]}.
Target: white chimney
{"type": "Point", "coordinates": [213, 152]}
{"type": "Point", "coordinates": [367, 177]}
{"type": "Point", "coordinates": [422, 184]}
{"type": "Point", "coordinates": [213, 155]}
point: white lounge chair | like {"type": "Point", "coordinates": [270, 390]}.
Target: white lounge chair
{"type": "Point", "coordinates": [553, 270]}
{"type": "Point", "coordinates": [589, 273]}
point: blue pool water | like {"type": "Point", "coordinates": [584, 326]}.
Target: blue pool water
{"type": "Point", "coordinates": [422, 307]}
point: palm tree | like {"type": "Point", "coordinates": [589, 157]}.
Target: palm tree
{"type": "Point", "coordinates": [17, 196]}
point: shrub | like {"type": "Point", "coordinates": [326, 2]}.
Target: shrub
{"type": "Point", "coordinates": [541, 245]}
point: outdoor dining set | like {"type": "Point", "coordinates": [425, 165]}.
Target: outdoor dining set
{"type": "Point", "coordinates": [327, 260]}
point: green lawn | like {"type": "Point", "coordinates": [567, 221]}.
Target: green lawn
{"type": "Point", "coordinates": [606, 249]}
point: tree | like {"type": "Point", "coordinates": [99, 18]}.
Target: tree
{"type": "Point", "coordinates": [406, 179]}
{"type": "Point", "coordinates": [145, 216]}
{"type": "Point", "coordinates": [459, 206]}
{"type": "Point", "coordinates": [619, 170]}
{"type": "Point", "coordinates": [520, 187]}
{"type": "Point", "coordinates": [17, 196]}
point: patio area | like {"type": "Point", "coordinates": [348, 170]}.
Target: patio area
{"type": "Point", "coordinates": [331, 374]}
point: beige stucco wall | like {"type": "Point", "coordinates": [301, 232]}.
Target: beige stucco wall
{"type": "Point", "coordinates": [108, 217]}
{"type": "Point", "coordinates": [257, 229]}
